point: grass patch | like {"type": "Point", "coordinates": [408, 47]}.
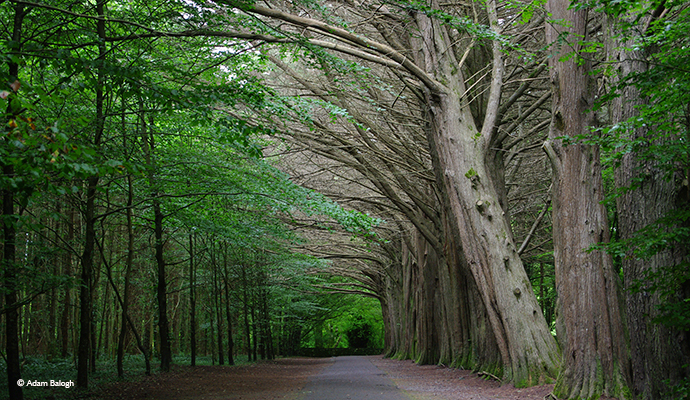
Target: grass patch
{"type": "Point", "coordinates": [39, 369]}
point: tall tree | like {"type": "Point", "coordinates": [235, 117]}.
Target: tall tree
{"type": "Point", "coordinates": [9, 217]}
{"type": "Point", "coordinates": [647, 137]}
{"type": "Point", "coordinates": [464, 150]}
{"type": "Point", "coordinates": [595, 353]}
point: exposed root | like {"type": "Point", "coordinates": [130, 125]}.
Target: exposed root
{"type": "Point", "coordinates": [550, 396]}
{"type": "Point", "coordinates": [489, 375]}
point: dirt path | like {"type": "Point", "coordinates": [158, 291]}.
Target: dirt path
{"type": "Point", "coordinates": [352, 378]}
{"type": "Point", "coordinates": [432, 382]}
{"type": "Point", "coordinates": [295, 379]}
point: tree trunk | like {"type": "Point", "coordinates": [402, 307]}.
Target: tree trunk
{"type": "Point", "coordinates": [256, 342]}
{"type": "Point", "coordinates": [85, 312]}
{"type": "Point", "coordinates": [267, 333]}
{"type": "Point", "coordinates": [217, 302]}
{"type": "Point", "coordinates": [228, 315]}
{"type": "Point", "coordinates": [161, 283]}
{"type": "Point", "coordinates": [245, 308]}
{"type": "Point", "coordinates": [67, 260]}
{"type": "Point", "coordinates": [595, 355]}
{"type": "Point", "coordinates": [93, 350]}
{"type": "Point", "coordinates": [9, 219]}
{"type": "Point", "coordinates": [122, 339]}
{"type": "Point", "coordinates": [10, 278]}
{"type": "Point", "coordinates": [462, 158]}
{"type": "Point", "coordinates": [85, 297]}
{"type": "Point", "coordinates": [660, 355]}
{"type": "Point", "coordinates": [192, 301]}
{"type": "Point", "coordinates": [161, 289]}
{"type": "Point", "coordinates": [465, 162]}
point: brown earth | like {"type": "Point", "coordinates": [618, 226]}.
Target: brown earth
{"type": "Point", "coordinates": [433, 382]}
{"type": "Point", "coordinates": [285, 378]}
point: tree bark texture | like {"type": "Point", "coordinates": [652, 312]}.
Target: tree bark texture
{"type": "Point", "coordinates": [595, 355]}
{"type": "Point", "coordinates": [460, 153]}
{"type": "Point", "coordinates": [435, 313]}
{"type": "Point", "coordinates": [658, 353]}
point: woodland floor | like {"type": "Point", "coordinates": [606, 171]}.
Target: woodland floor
{"type": "Point", "coordinates": [285, 379]}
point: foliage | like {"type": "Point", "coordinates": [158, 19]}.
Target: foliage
{"type": "Point", "coordinates": [159, 121]}
{"type": "Point", "coordinates": [359, 333]}
{"type": "Point", "coordinates": [664, 147]}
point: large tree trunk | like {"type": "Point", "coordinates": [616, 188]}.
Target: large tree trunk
{"type": "Point", "coordinates": [658, 353]}
{"type": "Point", "coordinates": [528, 351]}
{"type": "Point", "coordinates": [595, 356]}
{"type": "Point", "coordinates": [460, 154]}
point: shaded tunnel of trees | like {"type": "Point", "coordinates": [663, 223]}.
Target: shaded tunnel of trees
{"type": "Point", "coordinates": [493, 185]}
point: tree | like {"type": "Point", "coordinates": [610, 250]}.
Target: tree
{"type": "Point", "coordinates": [9, 217]}
{"type": "Point", "coordinates": [464, 160]}
{"type": "Point", "coordinates": [646, 140]}
{"type": "Point", "coordinates": [594, 352]}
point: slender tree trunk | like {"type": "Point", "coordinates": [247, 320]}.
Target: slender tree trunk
{"type": "Point", "coordinates": [143, 345]}
{"type": "Point", "coordinates": [122, 339]}
{"type": "Point", "coordinates": [166, 356]}
{"type": "Point", "coordinates": [53, 311]}
{"type": "Point", "coordinates": [102, 345]}
{"type": "Point", "coordinates": [94, 295]}
{"type": "Point", "coordinates": [85, 313]}
{"type": "Point", "coordinates": [11, 287]}
{"type": "Point", "coordinates": [212, 336]}
{"type": "Point", "coordinates": [595, 355]}
{"type": "Point", "coordinates": [87, 259]}
{"type": "Point", "coordinates": [161, 284]}
{"type": "Point", "coordinates": [245, 305]}
{"type": "Point", "coordinates": [9, 219]}
{"type": "Point", "coordinates": [217, 301]}
{"type": "Point", "coordinates": [266, 318]}
{"type": "Point", "coordinates": [257, 342]}
{"type": "Point", "coordinates": [228, 314]}
{"type": "Point", "coordinates": [67, 260]}
{"type": "Point", "coordinates": [192, 300]}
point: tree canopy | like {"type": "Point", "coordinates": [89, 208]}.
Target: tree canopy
{"type": "Point", "coordinates": [506, 180]}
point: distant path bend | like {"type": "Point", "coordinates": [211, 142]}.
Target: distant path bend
{"type": "Point", "coordinates": [352, 378]}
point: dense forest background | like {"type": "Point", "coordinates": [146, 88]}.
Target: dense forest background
{"type": "Point", "coordinates": [493, 185]}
